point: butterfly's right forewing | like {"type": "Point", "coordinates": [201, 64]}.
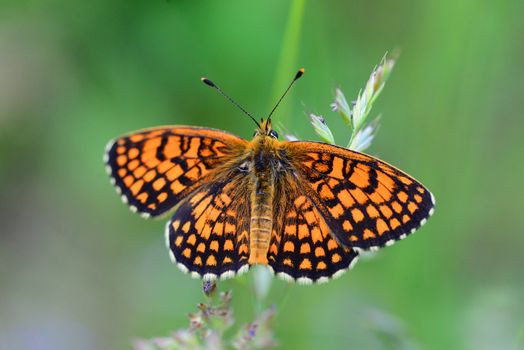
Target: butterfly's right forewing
{"type": "Point", "coordinates": [366, 203]}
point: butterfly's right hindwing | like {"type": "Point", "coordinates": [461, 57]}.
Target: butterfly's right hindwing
{"type": "Point", "coordinates": [302, 247]}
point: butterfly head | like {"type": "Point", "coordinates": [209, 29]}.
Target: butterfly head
{"type": "Point", "coordinates": [265, 129]}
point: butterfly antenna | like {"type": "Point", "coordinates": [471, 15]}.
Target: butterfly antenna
{"type": "Point", "coordinates": [298, 75]}
{"type": "Point", "coordinates": [214, 86]}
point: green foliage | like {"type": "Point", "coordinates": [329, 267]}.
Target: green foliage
{"type": "Point", "coordinates": [355, 117]}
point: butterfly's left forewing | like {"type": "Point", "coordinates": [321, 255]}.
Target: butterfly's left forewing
{"type": "Point", "coordinates": [366, 203]}
{"type": "Point", "coordinates": [155, 168]}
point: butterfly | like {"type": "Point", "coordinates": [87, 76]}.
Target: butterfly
{"type": "Point", "coordinates": [305, 209]}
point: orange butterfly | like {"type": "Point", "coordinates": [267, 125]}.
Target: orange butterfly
{"type": "Point", "coordinates": [303, 208]}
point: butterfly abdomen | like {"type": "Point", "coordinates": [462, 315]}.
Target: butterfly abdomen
{"type": "Point", "coordinates": [262, 188]}
{"type": "Point", "coordinates": [261, 217]}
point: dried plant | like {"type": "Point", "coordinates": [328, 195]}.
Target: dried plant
{"type": "Point", "coordinates": [207, 327]}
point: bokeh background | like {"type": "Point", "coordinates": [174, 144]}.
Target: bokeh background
{"type": "Point", "coordinates": [78, 270]}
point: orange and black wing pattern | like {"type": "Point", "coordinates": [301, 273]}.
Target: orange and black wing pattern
{"type": "Point", "coordinates": [366, 203]}
{"type": "Point", "coordinates": [302, 248]}
{"type": "Point", "coordinates": [208, 235]}
{"type": "Point", "coordinates": [155, 168]}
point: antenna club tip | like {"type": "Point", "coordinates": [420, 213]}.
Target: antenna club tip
{"type": "Point", "coordinates": [299, 73]}
{"type": "Point", "coordinates": [207, 81]}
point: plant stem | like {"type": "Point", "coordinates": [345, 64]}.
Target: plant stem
{"type": "Point", "coordinates": [287, 63]}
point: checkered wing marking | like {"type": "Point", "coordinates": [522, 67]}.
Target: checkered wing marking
{"type": "Point", "coordinates": [302, 247]}
{"type": "Point", "coordinates": [366, 202]}
{"type": "Point", "coordinates": [153, 169]}
{"type": "Point", "coordinates": [208, 234]}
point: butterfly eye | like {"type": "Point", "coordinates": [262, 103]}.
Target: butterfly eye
{"type": "Point", "coordinates": [273, 133]}
{"type": "Point", "coordinates": [243, 167]}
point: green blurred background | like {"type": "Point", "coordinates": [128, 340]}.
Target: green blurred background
{"type": "Point", "coordinates": [78, 270]}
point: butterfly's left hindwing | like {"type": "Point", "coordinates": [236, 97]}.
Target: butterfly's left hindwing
{"type": "Point", "coordinates": [366, 203]}
{"type": "Point", "coordinates": [208, 235]}
{"type": "Point", "coordinates": [155, 168]}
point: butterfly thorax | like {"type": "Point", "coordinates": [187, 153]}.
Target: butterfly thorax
{"type": "Point", "coordinates": [264, 155]}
